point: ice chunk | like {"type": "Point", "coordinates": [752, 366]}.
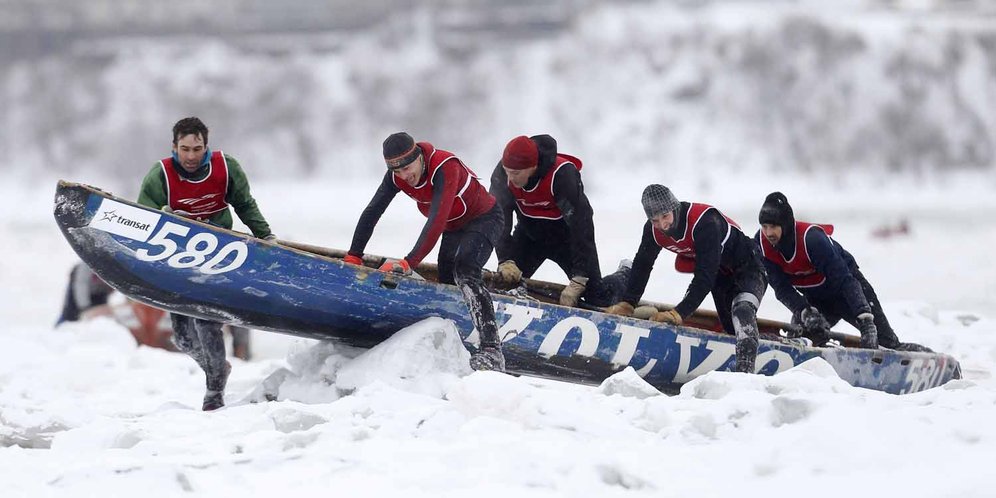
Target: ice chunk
{"type": "Point", "coordinates": [627, 383]}
{"type": "Point", "coordinates": [310, 377]}
{"type": "Point", "coordinates": [818, 367]}
{"type": "Point", "coordinates": [289, 420]}
{"type": "Point", "coordinates": [423, 358]}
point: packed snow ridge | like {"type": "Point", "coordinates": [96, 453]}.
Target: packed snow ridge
{"type": "Point", "coordinates": [409, 415]}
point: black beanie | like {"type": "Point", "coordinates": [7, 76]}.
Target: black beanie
{"type": "Point", "coordinates": [658, 199]}
{"type": "Point", "coordinates": [776, 211]}
{"type": "Point", "coordinates": [400, 150]}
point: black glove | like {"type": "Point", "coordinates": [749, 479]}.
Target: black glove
{"type": "Point", "coordinates": [914, 347]}
{"type": "Point", "coordinates": [869, 333]}
{"type": "Point", "coordinates": [814, 326]}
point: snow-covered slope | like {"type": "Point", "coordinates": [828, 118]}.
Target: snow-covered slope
{"type": "Point", "coordinates": [84, 412]}
{"type": "Point", "coordinates": [108, 419]}
{"type": "Point", "coordinates": [729, 86]}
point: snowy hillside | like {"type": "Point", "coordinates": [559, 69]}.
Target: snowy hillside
{"type": "Point", "coordinates": [724, 86]}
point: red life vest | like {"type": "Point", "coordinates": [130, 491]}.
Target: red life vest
{"type": "Point", "coordinates": [685, 246]}
{"type": "Point", "coordinates": [538, 202]}
{"type": "Point", "coordinates": [201, 198]}
{"type": "Point", "coordinates": [799, 267]}
{"type": "Point", "coordinates": [471, 197]}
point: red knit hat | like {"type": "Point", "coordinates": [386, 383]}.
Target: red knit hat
{"type": "Point", "coordinates": [520, 153]}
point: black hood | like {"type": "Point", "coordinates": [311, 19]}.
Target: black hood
{"type": "Point", "coordinates": [547, 147]}
{"type": "Point", "coordinates": [776, 210]}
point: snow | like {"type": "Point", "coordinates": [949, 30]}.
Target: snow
{"type": "Point", "coordinates": [84, 412]}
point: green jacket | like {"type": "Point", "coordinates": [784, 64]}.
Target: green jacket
{"type": "Point", "coordinates": [153, 195]}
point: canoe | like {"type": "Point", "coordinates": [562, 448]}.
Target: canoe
{"type": "Point", "coordinates": [193, 268]}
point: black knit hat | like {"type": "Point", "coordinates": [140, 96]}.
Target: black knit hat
{"type": "Point", "coordinates": [400, 150]}
{"type": "Point", "coordinates": [658, 199]}
{"type": "Point", "coordinates": [776, 211]}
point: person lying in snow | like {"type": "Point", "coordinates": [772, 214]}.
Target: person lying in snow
{"type": "Point", "coordinates": [723, 259]}
{"type": "Point", "coordinates": [554, 221]}
{"type": "Point", "coordinates": [818, 280]}
{"type": "Point", "coordinates": [88, 297]}
{"type": "Point", "coordinates": [459, 211]}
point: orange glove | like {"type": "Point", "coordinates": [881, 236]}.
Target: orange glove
{"type": "Point", "coordinates": [396, 266]}
{"type": "Point", "coordinates": [621, 308]}
{"type": "Point", "coordinates": [353, 260]}
{"type": "Point", "coordinates": [669, 316]}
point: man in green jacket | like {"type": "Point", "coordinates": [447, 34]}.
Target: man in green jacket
{"type": "Point", "coordinates": [201, 184]}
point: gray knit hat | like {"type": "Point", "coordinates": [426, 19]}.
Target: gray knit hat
{"type": "Point", "coordinates": [658, 199]}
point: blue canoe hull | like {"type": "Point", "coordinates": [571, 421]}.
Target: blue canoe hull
{"type": "Point", "coordinates": [200, 270]}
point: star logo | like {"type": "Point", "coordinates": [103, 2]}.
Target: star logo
{"type": "Point", "coordinates": [109, 215]}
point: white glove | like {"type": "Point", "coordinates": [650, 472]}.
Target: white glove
{"type": "Point", "coordinates": [178, 212]}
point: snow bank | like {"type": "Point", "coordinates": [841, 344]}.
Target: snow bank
{"type": "Point", "coordinates": [408, 416]}
{"type": "Point", "coordinates": [424, 358]}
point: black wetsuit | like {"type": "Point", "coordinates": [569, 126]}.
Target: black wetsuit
{"type": "Point", "coordinates": [726, 270]}
{"type": "Point", "coordinates": [845, 293]}
{"type": "Point", "coordinates": [569, 241]}
{"type": "Point", "coordinates": [463, 250]}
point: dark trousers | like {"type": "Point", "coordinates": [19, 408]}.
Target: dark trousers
{"type": "Point", "coordinates": [749, 278]}
{"type": "Point", "coordinates": [462, 256]}
{"type": "Point", "coordinates": [82, 282]}
{"type": "Point", "coordinates": [836, 309]}
{"type": "Point", "coordinates": [535, 242]}
{"type": "Point", "coordinates": [240, 342]}
{"type": "Point", "coordinates": [737, 295]}
{"type": "Point", "coordinates": [202, 340]}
